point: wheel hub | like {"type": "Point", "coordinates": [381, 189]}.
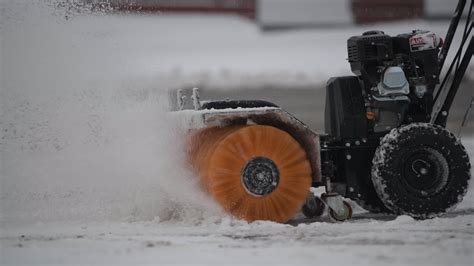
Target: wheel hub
{"type": "Point", "coordinates": [260, 176]}
{"type": "Point", "coordinates": [425, 171]}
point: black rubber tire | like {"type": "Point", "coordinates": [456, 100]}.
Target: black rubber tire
{"type": "Point", "coordinates": [421, 170]}
{"type": "Point", "coordinates": [313, 207]}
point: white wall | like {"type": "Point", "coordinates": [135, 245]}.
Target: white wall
{"type": "Point", "coordinates": [286, 13]}
{"type": "Point", "coordinates": [441, 8]}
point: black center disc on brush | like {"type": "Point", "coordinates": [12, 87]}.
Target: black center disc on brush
{"type": "Point", "coordinates": [260, 176]}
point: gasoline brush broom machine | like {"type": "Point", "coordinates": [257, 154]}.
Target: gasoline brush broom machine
{"type": "Point", "coordinates": [386, 144]}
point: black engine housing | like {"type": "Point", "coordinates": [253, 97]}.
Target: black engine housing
{"type": "Point", "coordinates": [361, 109]}
{"type": "Point", "coordinates": [345, 111]}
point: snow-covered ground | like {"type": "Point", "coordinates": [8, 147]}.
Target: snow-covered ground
{"type": "Point", "coordinates": [363, 241]}
{"type": "Point", "coordinates": [91, 168]}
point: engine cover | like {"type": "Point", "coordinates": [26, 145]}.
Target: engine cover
{"type": "Point", "coordinates": [393, 82]}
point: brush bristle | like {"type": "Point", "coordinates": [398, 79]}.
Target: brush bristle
{"type": "Point", "coordinates": [218, 156]}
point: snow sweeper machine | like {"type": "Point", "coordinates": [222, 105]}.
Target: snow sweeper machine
{"type": "Point", "coordinates": [385, 146]}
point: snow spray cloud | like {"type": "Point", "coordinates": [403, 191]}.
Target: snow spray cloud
{"type": "Point", "coordinates": [84, 134]}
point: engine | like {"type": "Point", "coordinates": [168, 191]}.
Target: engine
{"type": "Point", "coordinates": [397, 74]}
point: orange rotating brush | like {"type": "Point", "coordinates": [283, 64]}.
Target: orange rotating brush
{"type": "Point", "coordinates": [254, 172]}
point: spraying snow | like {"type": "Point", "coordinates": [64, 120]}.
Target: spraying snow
{"type": "Point", "coordinates": [83, 136]}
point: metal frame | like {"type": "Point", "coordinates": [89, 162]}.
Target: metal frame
{"type": "Point", "coordinates": [441, 112]}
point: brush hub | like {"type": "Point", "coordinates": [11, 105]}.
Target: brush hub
{"type": "Point", "coordinates": [260, 176]}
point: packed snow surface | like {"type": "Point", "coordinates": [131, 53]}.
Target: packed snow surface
{"type": "Point", "coordinates": [91, 168]}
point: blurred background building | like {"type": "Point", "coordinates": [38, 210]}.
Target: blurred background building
{"type": "Point", "coordinates": [297, 13]}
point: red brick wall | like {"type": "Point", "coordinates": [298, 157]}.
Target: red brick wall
{"type": "Point", "coordinates": [367, 11]}
{"type": "Point", "coordinates": [241, 7]}
{"type": "Point", "coordinates": [363, 11]}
